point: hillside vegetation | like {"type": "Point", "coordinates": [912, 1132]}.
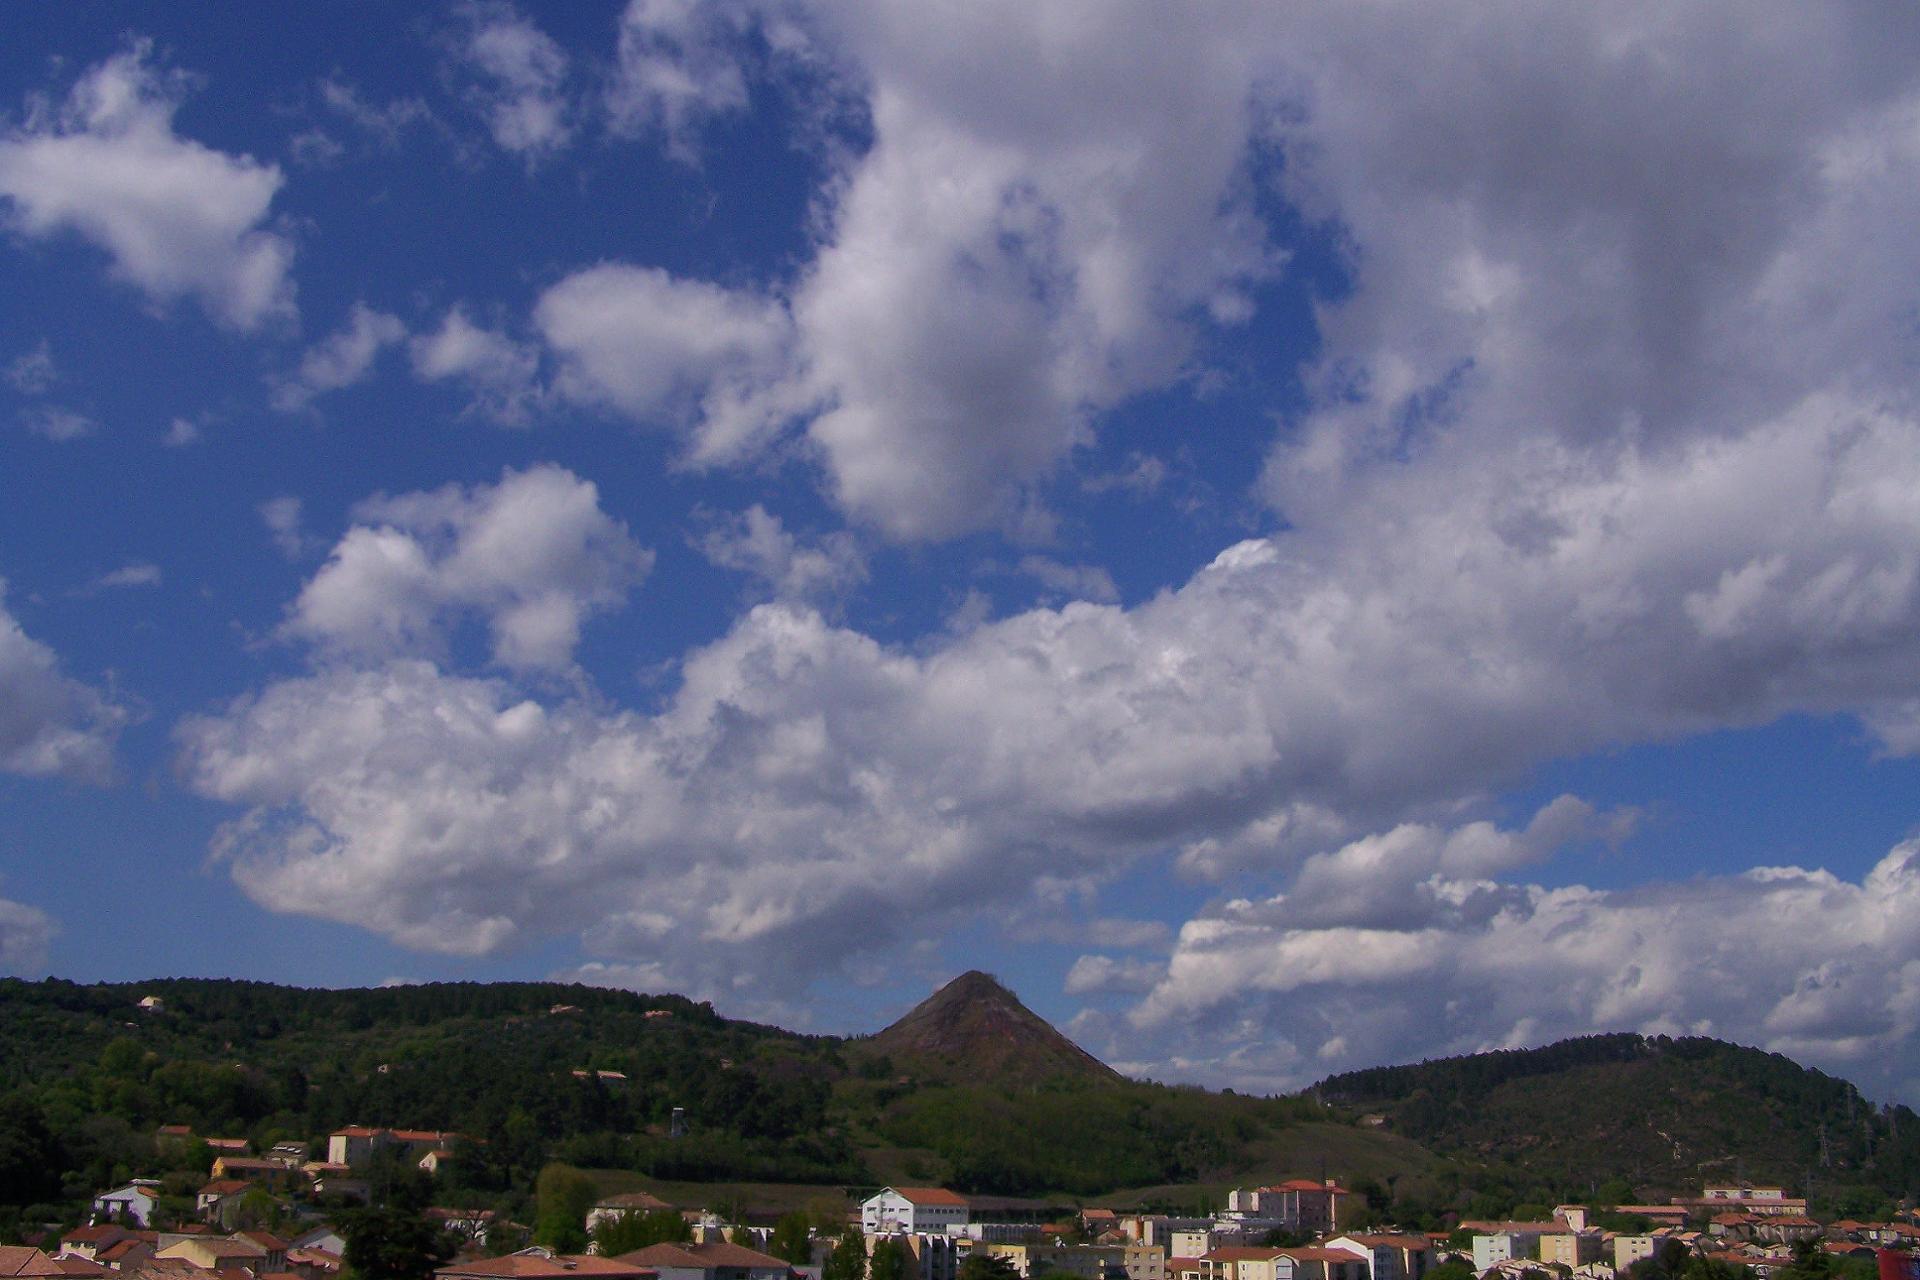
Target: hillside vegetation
{"type": "Point", "coordinates": [537, 1072]}
{"type": "Point", "coordinates": [1653, 1112]}
{"type": "Point", "coordinates": [88, 1077]}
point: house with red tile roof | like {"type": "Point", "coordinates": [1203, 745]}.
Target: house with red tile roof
{"type": "Point", "coordinates": [538, 1264]}
{"type": "Point", "coordinates": [24, 1260]}
{"type": "Point", "coordinates": [712, 1261]}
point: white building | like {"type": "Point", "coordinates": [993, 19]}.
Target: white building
{"type": "Point", "coordinates": [912, 1211]}
{"type": "Point", "coordinates": [1389, 1256]}
{"type": "Point", "coordinates": [1628, 1250]}
{"type": "Point", "coordinates": [1494, 1248]}
{"type": "Point", "coordinates": [131, 1203]}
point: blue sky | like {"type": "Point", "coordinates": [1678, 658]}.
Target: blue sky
{"type": "Point", "coordinates": [1300, 540]}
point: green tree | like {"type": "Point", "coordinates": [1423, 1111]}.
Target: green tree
{"type": "Point", "coordinates": [987, 1266]}
{"type": "Point", "coordinates": [626, 1232]}
{"type": "Point", "coordinates": [792, 1239]}
{"type": "Point", "coordinates": [392, 1244]}
{"type": "Point", "coordinates": [30, 1162]}
{"type": "Point", "coordinates": [563, 1196]}
{"type": "Point", "coordinates": [889, 1261]}
{"type": "Point", "coordinates": [848, 1261]}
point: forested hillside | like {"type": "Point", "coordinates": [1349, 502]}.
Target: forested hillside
{"type": "Point", "coordinates": [88, 1077]}
{"type": "Point", "coordinates": [1651, 1112]}
{"type": "Point", "coordinates": [536, 1072]}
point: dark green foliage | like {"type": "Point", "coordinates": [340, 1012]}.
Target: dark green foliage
{"type": "Point", "coordinates": [1082, 1136]}
{"type": "Point", "coordinates": [1599, 1116]}
{"type": "Point", "coordinates": [987, 1266]}
{"type": "Point", "coordinates": [792, 1239]}
{"type": "Point", "coordinates": [491, 1061]}
{"type": "Point", "coordinates": [630, 1231]}
{"type": "Point", "coordinates": [889, 1261]}
{"type": "Point", "coordinates": [848, 1261]}
{"type": "Point", "coordinates": [564, 1196]}
{"type": "Point", "coordinates": [392, 1244]}
{"type": "Point", "coordinates": [30, 1161]}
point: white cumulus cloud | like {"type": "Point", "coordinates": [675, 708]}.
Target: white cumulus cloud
{"type": "Point", "coordinates": [1798, 961]}
{"type": "Point", "coordinates": [518, 78]}
{"type": "Point", "coordinates": [671, 352]}
{"type": "Point", "coordinates": [501, 374]}
{"type": "Point", "coordinates": [177, 217]}
{"type": "Point", "coordinates": [342, 359]}
{"type": "Point", "coordinates": [25, 934]}
{"type": "Point", "coordinates": [50, 724]}
{"type": "Point", "coordinates": [533, 555]}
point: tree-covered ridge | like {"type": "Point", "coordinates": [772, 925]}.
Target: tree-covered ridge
{"type": "Point", "coordinates": [1667, 1112]}
{"type": "Point", "coordinates": [539, 1071]}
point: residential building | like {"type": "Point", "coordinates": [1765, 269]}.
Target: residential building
{"type": "Point", "coordinates": [912, 1210]}
{"type": "Point", "coordinates": [131, 1203]}
{"type": "Point", "coordinates": [1086, 1261]}
{"type": "Point", "coordinates": [22, 1260]}
{"type": "Point", "coordinates": [715, 1261]}
{"type": "Point", "coordinates": [1768, 1201]}
{"type": "Point", "coordinates": [356, 1144]}
{"type": "Point", "coordinates": [87, 1242]}
{"type": "Point", "coordinates": [936, 1255]}
{"type": "Point", "coordinates": [1628, 1250]}
{"type": "Point", "coordinates": [1300, 1204]}
{"type": "Point", "coordinates": [210, 1201]}
{"type": "Point", "coordinates": [1570, 1249]}
{"type": "Point", "coordinates": [217, 1253]}
{"type": "Point", "coordinates": [1144, 1261]}
{"type": "Point", "coordinates": [542, 1264]}
{"type": "Point", "coordinates": [1491, 1248]}
{"type": "Point", "coordinates": [616, 1206]}
{"type": "Point", "coordinates": [1389, 1256]}
{"type": "Point", "coordinates": [1240, 1262]}
{"type": "Point", "coordinates": [1158, 1228]}
{"type": "Point", "coordinates": [266, 1173]}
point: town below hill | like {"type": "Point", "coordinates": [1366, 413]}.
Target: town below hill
{"type": "Point", "coordinates": [483, 1131]}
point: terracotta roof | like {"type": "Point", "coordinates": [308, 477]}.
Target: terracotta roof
{"type": "Point", "coordinates": [1392, 1241]}
{"type": "Point", "coordinates": [704, 1256]}
{"type": "Point", "coordinates": [316, 1258]}
{"type": "Point", "coordinates": [23, 1260]}
{"type": "Point", "coordinates": [356, 1131]}
{"type": "Point", "coordinates": [1307, 1184]}
{"type": "Point", "coordinates": [120, 1249]}
{"type": "Point", "coordinates": [93, 1235]}
{"type": "Point", "coordinates": [1239, 1253]}
{"type": "Point", "coordinates": [632, 1200]}
{"type": "Point", "coordinates": [930, 1195]}
{"type": "Point", "coordinates": [225, 1187]}
{"type": "Point", "coordinates": [525, 1266]}
{"type": "Point", "coordinates": [1323, 1255]}
{"type": "Point", "coordinates": [77, 1267]}
{"type": "Point", "coordinates": [265, 1239]}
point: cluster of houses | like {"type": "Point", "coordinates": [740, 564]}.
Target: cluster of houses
{"type": "Point", "coordinates": [1756, 1227]}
